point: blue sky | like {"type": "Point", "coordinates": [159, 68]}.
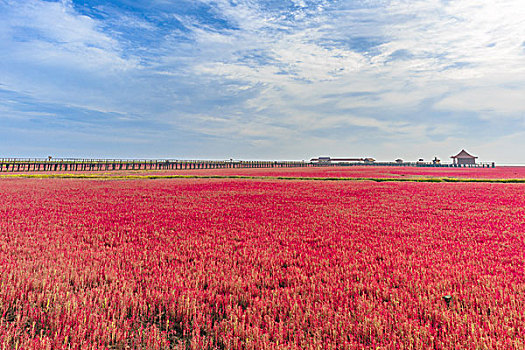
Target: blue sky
{"type": "Point", "coordinates": [274, 79]}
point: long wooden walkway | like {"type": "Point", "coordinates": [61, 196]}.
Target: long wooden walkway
{"type": "Point", "coordinates": [66, 164]}
{"type": "Point", "coordinates": [35, 165]}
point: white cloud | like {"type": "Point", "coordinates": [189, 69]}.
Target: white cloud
{"type": "Point", "coordinates": [443, 42]}
{"type": "Point", "coordinates": [494, 101]}
{"type": "Point", "coordinates": [52, 33]}
{"type": "Point", "coordinates": [295, 52]}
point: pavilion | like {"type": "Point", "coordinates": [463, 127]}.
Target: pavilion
{"type": "Point", "coordinates": [464, 157]}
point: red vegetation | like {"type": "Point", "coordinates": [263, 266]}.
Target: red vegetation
{"type": "Point", "coordinates": [402, 172]}
{"type": "Point", "coordinates": [362, 172]}
{"type": "Point", "coordinates": [376, 172]}
{"type": "Point", "coordinates": [233, 264]}
{"type": "Point", "coordinates": [517, 172]}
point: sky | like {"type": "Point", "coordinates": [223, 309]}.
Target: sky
{"type": "Point", "coordinates": [273, 79]}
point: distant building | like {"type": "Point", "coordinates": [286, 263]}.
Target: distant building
{"type": "Point", "coordinates": [369, 160]}
{"type": "Point", "coordinates": [464, 157]}
{"type": "Point", "coordinates": [324, 160]}
{"type": "Point", "coordinates": [436, 160]}
{"type": "Point", "coordinates": [336, 160]}
{"type": "Point", "coordinates": [399, 160]}
{"type": "Point", "coordinates": [346, 160]}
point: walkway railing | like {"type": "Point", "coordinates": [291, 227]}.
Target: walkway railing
{"type": "Point", "coordinates": [70, 164]}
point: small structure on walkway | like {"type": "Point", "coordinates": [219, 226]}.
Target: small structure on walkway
{"type": "Point", "coordinates": [463, 157]}
{"type": "Point", "coordinates": [322, 160]}
{"type": "Point", "coordinates": [336, 160]}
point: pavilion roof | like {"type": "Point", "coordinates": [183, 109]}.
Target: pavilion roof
{"type": "Point", "coordinates": [463, 154]}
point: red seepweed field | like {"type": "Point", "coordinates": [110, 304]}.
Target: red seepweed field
{"type": "Point", "coordinates": [336, 172]}
{"type": "Point", "coordinates": [372, 172]}
{"type": "Point", "coordinates": [261, 264]}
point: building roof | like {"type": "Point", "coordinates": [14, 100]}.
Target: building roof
{"type": "Point", "coordinates": [347, 159]}
{"type": "Point", "coordinates": [463, 154]}
{"type": "Point", "coordinates": [337, 159]}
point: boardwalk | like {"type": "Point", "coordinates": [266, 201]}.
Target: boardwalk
{"type": "Point", "coordinates": [36, 165]}
{"type": "Point", "coordinates": [52, 165]}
